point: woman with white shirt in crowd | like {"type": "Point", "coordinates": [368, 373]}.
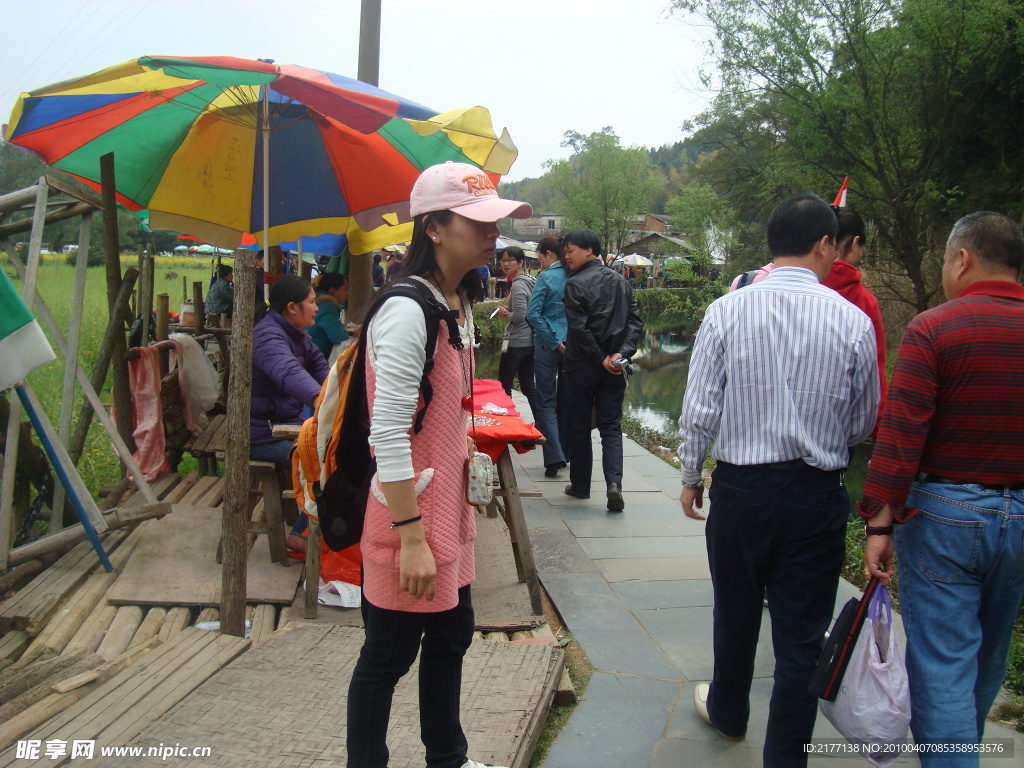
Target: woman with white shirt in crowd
{"type": "Point", "coordinates": [417, 542]}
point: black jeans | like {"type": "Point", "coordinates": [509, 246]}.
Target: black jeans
{"type": "Point", "coordinates": [518, 361]}
{"type": "Point", "coordinates": [392, 641]}
{"type": "Point", "coordinates": [593, 389]}
{"type": "Point", "coordinates": [782, 532]}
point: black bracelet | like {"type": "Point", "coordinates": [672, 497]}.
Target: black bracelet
{"type": "Point", "coordinates": [406, 522]}
{"type": "Point", "coordinates": [880, 530]}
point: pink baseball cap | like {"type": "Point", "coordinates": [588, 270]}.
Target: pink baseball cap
{"type": "Point", "coordinates": [464, 189]}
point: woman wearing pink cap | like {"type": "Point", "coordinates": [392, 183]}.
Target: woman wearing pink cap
{"type": "Point", "coordinates": [417, 541]}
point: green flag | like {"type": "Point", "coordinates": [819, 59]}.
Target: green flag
{"type": "Point", "coordinates": [23, 347]}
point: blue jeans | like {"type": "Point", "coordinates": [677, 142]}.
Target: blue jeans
{"type": "Point", "coordinates": [780, 533]}
{"type": "Point", "coordinates": [279, 452]}
{"type": "Point", "coordinates": [552, 414]}
{"type": "Point", "coordinates": [961, 570]}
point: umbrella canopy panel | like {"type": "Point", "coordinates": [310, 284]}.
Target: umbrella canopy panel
{"type": "Point", "coordinates": [187, 136]}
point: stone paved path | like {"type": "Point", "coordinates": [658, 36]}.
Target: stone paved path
{"type": "Point", "coordinates": [635, 591]}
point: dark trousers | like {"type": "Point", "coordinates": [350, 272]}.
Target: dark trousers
{"type": "Point", "coordinates": [780, 532]}
{"type": "Point", "coordinates": [518, 361]}
{"type": "Point", "coordinates": [593, 389]}
{"type": "Point", "coordinates": [392, 641]}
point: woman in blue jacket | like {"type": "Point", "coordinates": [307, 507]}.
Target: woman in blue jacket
{"type": "Point", "coordinates": [327, 329]}
{"type": "Point", "coordinates": [546, 315]}
{"type": "Point", "coordinates": [287, 371]}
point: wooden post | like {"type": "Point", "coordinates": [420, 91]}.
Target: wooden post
{"type": "Point", "coordinates": [162, 322]}
{"type": "Point", "coordinates": [236, 460]}
{"type": "Point", "coordinates": [115, 331]}
{"type": "Point", "coordinates": [71, 360]}
{"type": "Point", "coordinates": [122, 397]}
{"type": "Point", "coordinates": [199, 306]}
{"type": "Point", "coordinates": [360, 282]}
{"type": "Point", "coordinates": [146, 297]}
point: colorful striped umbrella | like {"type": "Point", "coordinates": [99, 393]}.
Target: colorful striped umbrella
{"type": "Point", "coordinates": [340, 156]}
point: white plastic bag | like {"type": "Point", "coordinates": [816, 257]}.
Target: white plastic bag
{"type": "Point", "coordinates": [872, 709]}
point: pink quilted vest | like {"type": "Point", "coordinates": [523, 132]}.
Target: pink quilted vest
{"type": "Point", "coordinates": [447, 517]}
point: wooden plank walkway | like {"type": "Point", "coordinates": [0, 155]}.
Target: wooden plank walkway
{"type": "Point", "coordinates": [122, 707]}
{"type": "Point", "coordinates": [241, 714]}
{"type": "Point", "coordinates": [34, 604]}
{"type": "Point", "coordinates": [175, 561]}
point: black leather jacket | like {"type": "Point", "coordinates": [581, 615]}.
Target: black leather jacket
{"type": "Point", "coordinates": [602, 315]}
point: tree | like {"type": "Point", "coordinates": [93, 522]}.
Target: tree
{"type": "Point", "coordinates": [602, 186]}
{"type": "Point", "coordinates": [708, 221]}
{"type": "Point", "coordinates": [881, 90]}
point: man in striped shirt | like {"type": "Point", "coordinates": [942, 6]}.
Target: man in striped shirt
{"type": "Point", "coordinates": [949, 468]}
{"type": "Point", "coordinates": [784, 380]}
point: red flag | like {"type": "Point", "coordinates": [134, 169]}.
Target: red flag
{"type": "Point", "coordinates": [840, 201]}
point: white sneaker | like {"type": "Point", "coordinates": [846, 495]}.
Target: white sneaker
{"type": "Point", "coordinates": [475, 764]}
{"type": "Point", "coordinates": [700, 704]}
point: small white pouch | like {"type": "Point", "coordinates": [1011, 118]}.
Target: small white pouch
{"type": "Point", "coordinates": [479, 479]}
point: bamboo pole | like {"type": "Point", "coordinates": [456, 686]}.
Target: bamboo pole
{"type": "Point", "coordinates": [122, 397]}
{"type": "Point", "coordinates": [71, 359]}
{"type": "Point", "coordinates": [236, 464]}
{"type": "Point", "coordinates": [146, 297]}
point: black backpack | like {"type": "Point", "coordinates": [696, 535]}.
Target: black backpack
{"type": "Point", "coordinates": [341, 503]}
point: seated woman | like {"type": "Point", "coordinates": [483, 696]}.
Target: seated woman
{"type": "Point", "coordinates": [287, 371]}
{"type": "Point", "coordinates": [327, 329]}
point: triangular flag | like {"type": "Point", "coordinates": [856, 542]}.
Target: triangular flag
{"type": "Point", "coordinates": [23, 347]}
{"type": "Point", "coordinates": [840, 201]}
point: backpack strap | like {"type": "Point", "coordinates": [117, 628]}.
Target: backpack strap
{"type": "Point", "coordinates": [747, 278]}
{"type": "Point", "coordinates": [434, 313]}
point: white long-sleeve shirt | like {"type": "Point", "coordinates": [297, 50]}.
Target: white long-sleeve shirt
{"type": "Point", "coordinates": [396, 340]}
{"type": "Point", "coordinates": [783, 369]}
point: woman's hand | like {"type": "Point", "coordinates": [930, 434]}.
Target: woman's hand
{"type": "Point", "coordinates": [417, 569]}
{"type": "Point", "coordinates": [503, 311]}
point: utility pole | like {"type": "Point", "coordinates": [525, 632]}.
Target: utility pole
{"type": "Point", "coordinates": [369, 42]}
{"type": "Point", "coordinates": [359, 265]}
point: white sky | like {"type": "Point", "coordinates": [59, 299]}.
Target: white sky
{"type": "Point", "coordinates": [542, 67]}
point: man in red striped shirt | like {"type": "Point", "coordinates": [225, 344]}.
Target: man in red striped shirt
{"type": "Point", "coordinates": [949, 469]}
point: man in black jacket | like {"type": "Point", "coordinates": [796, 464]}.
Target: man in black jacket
{"type": "Point", "coordinates": [604, 326]}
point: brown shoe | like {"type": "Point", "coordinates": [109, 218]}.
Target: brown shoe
{"type": "Point", "coordinates": [570, 491]}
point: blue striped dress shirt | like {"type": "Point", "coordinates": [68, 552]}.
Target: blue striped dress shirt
{"type": "Point", "coordinates": [783, 369]}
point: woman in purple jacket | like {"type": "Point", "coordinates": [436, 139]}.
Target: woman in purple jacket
{"type": "Point", "coordinates": [287, 371]}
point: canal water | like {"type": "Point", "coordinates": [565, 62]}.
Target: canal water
{"type": "Point", "coordinates": [654, 396]}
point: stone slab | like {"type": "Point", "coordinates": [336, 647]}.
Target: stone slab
{"type": "Point", "coordinates": [628, 525]}
{"type": "Point", "coordinates": [640, 595]}
{"type": "Point", "coordinates": [558, 551]}
{"type": "Point", "coordinates": [654, 568]}
{"type": "Point", "coordinates": [608, 734]}
{"type": "Point", "coordinates": [626, 649]}
{"type": "Point", "coordinates": [650, 546]}
{"type": "Point", "coordinates": [685, 635]}
{"type": "Point", "coordinates": [585, 601]}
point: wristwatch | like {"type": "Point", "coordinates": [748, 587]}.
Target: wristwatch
{"type": "Point", "coordinates": [878, 530]}
{"type": "Point", "coordinates": [699, 485]}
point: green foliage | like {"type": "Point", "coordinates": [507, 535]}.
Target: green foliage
{"type": "Point", "coordinates": [603, 185]}
{"type": "Point", "coordinates": [888, 92]}
{"type": "Point", "coordinates": [707, 220]}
